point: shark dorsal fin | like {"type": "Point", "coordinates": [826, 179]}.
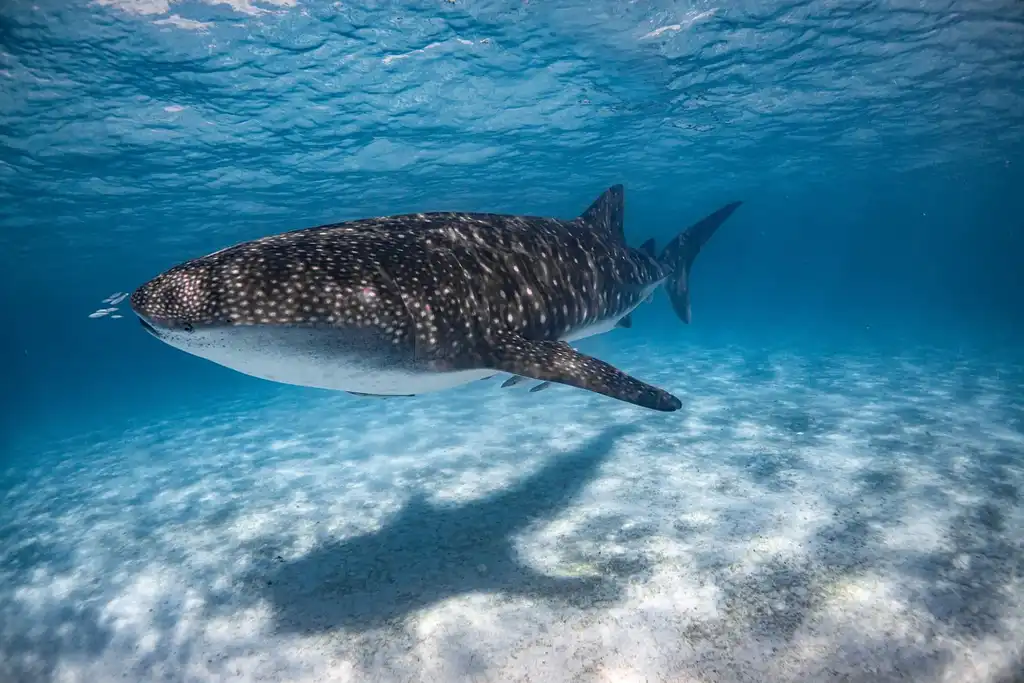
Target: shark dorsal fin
{"type": "Point", "coordinates": [606, 213]}
{"type": "Point", "coordinates": [648, 248]}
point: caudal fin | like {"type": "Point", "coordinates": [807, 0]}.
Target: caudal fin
{"type": "Point", "coordinates": [678, 256]}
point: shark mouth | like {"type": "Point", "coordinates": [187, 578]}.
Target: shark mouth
{"type": "Point", "coordinates": [149, 328]}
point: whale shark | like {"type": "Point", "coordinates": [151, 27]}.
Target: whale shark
{"type": "Point", "coordinates": [414, 303]}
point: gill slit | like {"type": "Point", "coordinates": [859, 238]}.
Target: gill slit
{"type": "Point", "coordinates": [405, 305]}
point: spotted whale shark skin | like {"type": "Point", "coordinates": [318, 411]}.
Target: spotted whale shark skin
{"type": "Point", "coordinates": [408, 304]}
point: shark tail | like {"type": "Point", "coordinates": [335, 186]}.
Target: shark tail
{"type": "Point", "coordinates": [678, 256]}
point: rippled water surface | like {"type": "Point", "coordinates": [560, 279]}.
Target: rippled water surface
{"type": "Point", "coordinates": [121, 112]}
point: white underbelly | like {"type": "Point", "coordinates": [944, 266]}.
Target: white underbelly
{"type": "Point", "coordinates": [340, 377]}
{"type": "Point", "coordinates": [276, 356]}
{"type": "Point", "coordinates": [591, 330]}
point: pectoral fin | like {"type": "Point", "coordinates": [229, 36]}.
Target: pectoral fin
{"type": "Point", "coordinates": [556, 361]}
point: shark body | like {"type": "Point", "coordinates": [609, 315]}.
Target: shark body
{"type": "Point", "coordinates": [414, 303]}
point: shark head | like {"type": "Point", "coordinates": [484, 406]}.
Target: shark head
{"type": "Point", "coordinates": [174, 304]}
{"type": "Point", "coordinates": [296, 311]}
{"type": "Point", "coordinates": [194, 301]}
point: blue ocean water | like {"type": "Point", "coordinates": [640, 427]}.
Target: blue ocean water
{"type": "Point", "coordinates": [839, 499]}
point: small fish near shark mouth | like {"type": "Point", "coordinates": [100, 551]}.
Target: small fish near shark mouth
{"type": "Point", "coordinates": [414, 303]}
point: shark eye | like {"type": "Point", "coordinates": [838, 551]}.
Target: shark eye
{"type": "Point", "coordinates": [188, 327]}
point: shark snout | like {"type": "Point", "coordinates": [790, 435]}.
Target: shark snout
{"type": "Point", "coordinates": [140, 301]}
{"type": "Point", "coordinates": [160, 326]}
{"type": "Point", "coordinates": [175, 300]}
{"type": "Point", "coordinates": [152, 303]}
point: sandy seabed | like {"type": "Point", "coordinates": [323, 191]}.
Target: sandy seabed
{"type": "Point", "coordinates": [852, 518]}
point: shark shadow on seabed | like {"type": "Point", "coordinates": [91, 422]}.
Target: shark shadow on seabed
{"type": "Point", "coordinates": [428, 553]}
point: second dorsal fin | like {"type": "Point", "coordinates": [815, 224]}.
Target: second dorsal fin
{"type": "Point", "coordinates": [648, 248]}
{"type": "Point", "coordinates": [606, 213]}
